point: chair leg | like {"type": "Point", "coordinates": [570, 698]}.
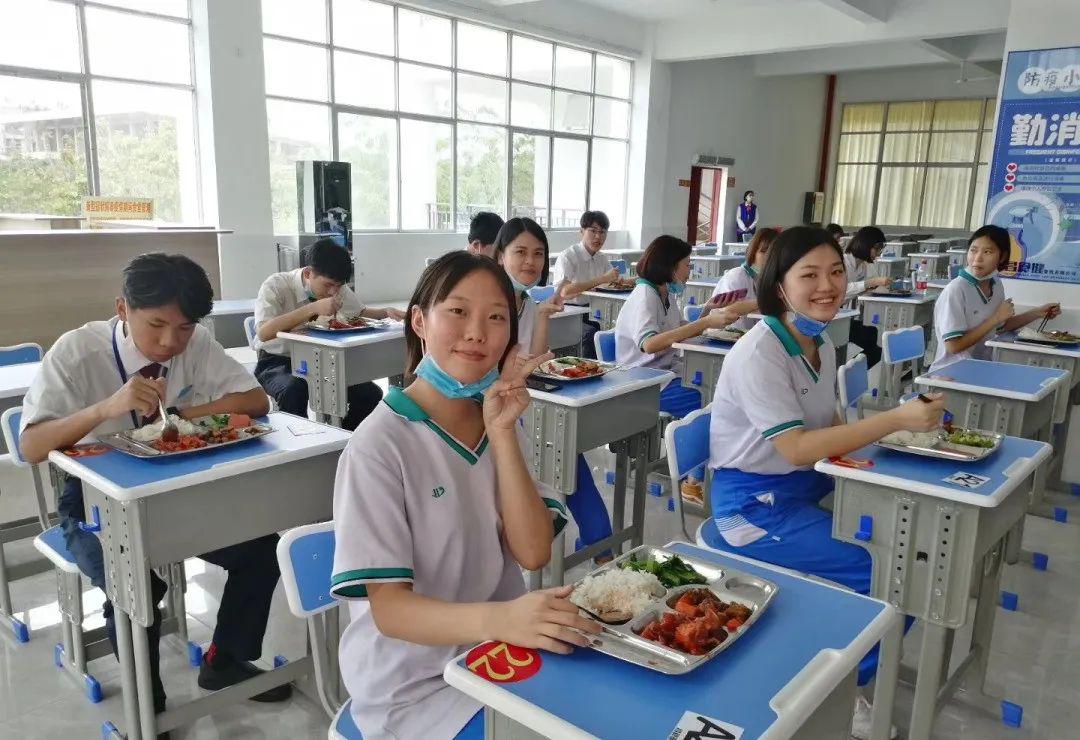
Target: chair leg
{"type": "Point", "coordinates": [7, 615]}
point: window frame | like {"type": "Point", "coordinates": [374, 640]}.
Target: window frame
{"type": "Point", "coordinates": [336, 108]}
{"type": "Point", "coordinates": [880, 164]}
{"type": "Point", "coordinates": [85, 79]}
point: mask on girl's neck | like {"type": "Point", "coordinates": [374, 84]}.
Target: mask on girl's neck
{"type": "Point", "coordinates": [448, 385]}
{"type": "Point", "coordinates": [805, 325]}
{"type": "Point", "coordinates": [676, 288]}
{"type": "Point", "coordinates": [521, 287]}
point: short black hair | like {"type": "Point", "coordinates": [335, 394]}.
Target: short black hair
{"type": "Point", "coordinates": [595, 218]}
{"type": "Point", "coordinates": [791, 246]}
{"type": "Point", "coordinates": [748, 192]}
{"type": "Point", "coordinates": [661, 257]}
{"type": "Point", "coordinates": [1001, 239]}
{"type": "Point", "coordinates": [514, 228]}
{"type": "Point", "coordinates": [158, 279]}
{"type": "Point", "coordinates": [436, 283]}
{"type": "Point", "coordinates": [331, 260]}
{"type": "Point", "coordinates": [484, 227]}
{"type": "Point", "coordinates": [863, 242]}
{"type": "Point", "coordinates": [836, 230]}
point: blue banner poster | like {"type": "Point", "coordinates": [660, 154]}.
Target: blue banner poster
{"type": "Point", "coordinates": [1034, 188]}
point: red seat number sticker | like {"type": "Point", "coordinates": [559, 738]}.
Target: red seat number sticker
{"type": "Point", "coordinates": [502, 663]}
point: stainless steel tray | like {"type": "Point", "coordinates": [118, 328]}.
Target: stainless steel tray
{"type": "Point", "coordinates": [624, 642]}
{"type": "Point", "coordinates": [369, 325]}
{"type": "Point", "coordinates": [608, 288]}
{"type": "Point", "coordinates": [544, 371]}
{"type": "Point", "coordinates": [1027, 334]}
{"type": "Point", "coordinates": [723, 335]}
{"type": "Point", "coordinates": [122, 442]}
{"type": "Point", "coordinates": [947, 451]}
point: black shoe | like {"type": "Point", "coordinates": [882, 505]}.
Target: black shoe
{"type": "Point", "coordinates": [225, 672]}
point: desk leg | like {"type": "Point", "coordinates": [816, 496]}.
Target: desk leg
{"type": "Point", "coordinates": [618, 508]}
{"type": "Point", "coordinates": [641, 475]}
{"type": "Point", "coordinates": [888, 675]}
{"type": "Point", "coordinates": [127, 674]}
{"type": "Point", "coordinates": [558, 556]}
{"type": "Point", "coordinates": [143, 683]}
{"type": "Point", "coordinates": [924, 708]}
{"type": "Point", "coordinates": [982, 625]}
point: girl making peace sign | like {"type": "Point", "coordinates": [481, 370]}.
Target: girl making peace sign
{"type": "Point", "coordinates": [435, 513]}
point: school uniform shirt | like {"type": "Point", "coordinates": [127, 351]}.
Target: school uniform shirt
{"type": "Point", "coordinates": [960, 308]}
{"type": "Point", "coordinates": [743, 277]}
{"type": "Point", "coordinates": [527, 324]}
{"type": "Point", "coordinates": [435, 525]}
{"type": "Point", "coordinates": [642, 316]}
{"type": "Point", "coordinates": [284, 292]}
{"type": "Point", "coordinates": [767, 388]}
{"type": "Point", "coordinates": [856, 276]}
{"type": "Point", "coordinates": [81, 370]}
{"type": "Point", "coordinates": [578, 265]}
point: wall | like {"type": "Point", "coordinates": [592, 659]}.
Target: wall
{"type": "Point", "coordinates": [770, 126]}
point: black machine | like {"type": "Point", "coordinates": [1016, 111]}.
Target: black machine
{"type": "Point", "coordinates": [324, 203]}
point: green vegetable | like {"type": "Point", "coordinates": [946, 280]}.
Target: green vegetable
{"type": "Point", "coordinates": [671, 573]}
{"type": "Point", "coordinates": [970, 438]}
{"type": "Point", "coordinates": [220, 420]}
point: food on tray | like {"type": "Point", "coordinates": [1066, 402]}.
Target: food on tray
{"type": "Point", "coordinates": [619, 284]}
{"type": "Point", "coordinates": [1062, 336]}
{"type": "Point", "coordinates": [185, 442]}
{"type": "Point", "coordinates": [201, 432]}
{"type": "Point", "coordinates": [572, 367]}
{"type": "Point", "coordinates": [970, 438]}
{"type": "Point", "coordinates": [700, 622]}
{"type": "Point", "coordinates": [912, 439]}
{"type": "Point", "coordinates": [616, 595]}
{"type": "Point", "coordinates": [729, 334]}
{"type": "Point", "coordinates": [671, 573]}
{"type": "Point", "coordinates": [341, 322]}
{"type": "Point", "coordinates": [151, 432]}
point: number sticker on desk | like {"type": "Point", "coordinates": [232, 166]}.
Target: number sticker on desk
{"type": "Point", "coordinates": [502, 663]}
{"type": "Point", "coordinates": [694, 726]}
{"type": "Point", "coordinates": [966, 480]}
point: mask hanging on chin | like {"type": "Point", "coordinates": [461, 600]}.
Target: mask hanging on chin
{"type": "Point", "coordinates": [805, 325]}
{"type": "Point", "coordinates": [447, 384]}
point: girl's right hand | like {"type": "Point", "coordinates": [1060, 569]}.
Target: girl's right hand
{"type": "Point", "coordinates": [720, 318]}
{"type": "Point", "coordinates": [544, 620]}
{"type": "Point", "coordinates": [879, 282]}
{"type": "Point", "coordinates": [1005, 311]}
{"type": "Point", "coordinates": [919, 416]}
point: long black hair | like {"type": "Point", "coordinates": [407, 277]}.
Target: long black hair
{"type": "Point", "coordinates": [791, 246]}
{"type": "Point", "coordinates": [436, 283]}
{"type": "Point", "coordinates": [514, 228]}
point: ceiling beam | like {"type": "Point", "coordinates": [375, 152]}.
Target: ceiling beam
{"type": "Point", "coordinates": [983, 53]}
{"type": "Point", "coordinates": [864, 11]}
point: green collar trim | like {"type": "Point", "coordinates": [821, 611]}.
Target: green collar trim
{"type": "Point", "coordinates": [643, 281]}
{"type": "Point", "coordinates": [750, 270]}
{"type": "Point", "coordinates": [975, 283]}
{"type": "Point", "coordinates": [791, 346]}
{"type": "Point", "coordinates": [405, 407]}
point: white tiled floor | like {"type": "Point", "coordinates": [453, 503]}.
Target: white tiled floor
{"type": "Point", "coordinates": [1034, 662]}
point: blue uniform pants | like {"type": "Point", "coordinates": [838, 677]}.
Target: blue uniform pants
{"type": "Point", "coordinates": [587, 507]}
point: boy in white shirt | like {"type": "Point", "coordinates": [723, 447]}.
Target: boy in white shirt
{"type": "Point", "coordinates": [288, 299]}
{"type": "Point", "coordinates": [108, 376]}
{"type": "Point", "coordinates": [582, 268]}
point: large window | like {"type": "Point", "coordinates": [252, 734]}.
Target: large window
{"type": "Point", "coordinates": [97, 98]}
{"type": "Point", "coordinates": [915, 163]}
{"type": "Point", "coordinates": [442, 118]}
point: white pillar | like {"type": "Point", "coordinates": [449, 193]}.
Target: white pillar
{"type": "Point", "coordinates": [233, 143]}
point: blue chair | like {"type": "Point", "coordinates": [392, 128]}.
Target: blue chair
{"type": "Point", "coordinates": [604, 341]}
{"type": "Point", "coordinates": [621, 266]}
{"type": "Point", "coordinates": [542, 293]}
{"type": "Point", "coordinates": [692, 313]}
{"type": "Point", "coordinates": [686, 442]}
{"type": "Point", "coordinates": [306, 560]}
{"type": "Point", "coordinates": [853, 380]}
{"type": "Point", "coordinates": [898, 347]}
{"type": "Point", "coordinates": [954, 271]}
{"type": "Point", "coordinates": [19, 354]}
{"type": "Point", "coordinates": [249, 331]}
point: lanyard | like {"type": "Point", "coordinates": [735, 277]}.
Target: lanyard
{"type": "Point", "coordinates": [123, 373]}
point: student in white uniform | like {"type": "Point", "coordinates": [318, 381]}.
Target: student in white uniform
{"type": "Point", "coordinates": [108, 376]}
{"type": "Point", "coordinates": [483, 229]}
{"type": "Point", "coordinates": [288, 299]}
{"type": "Point", "coordinates": [864, 249]}
{"type": "Point", "coordinates": [435, 514]}
{"type": "Point", "coordinates": [973, 308]}
{"type": "Point", "coordinates": [521, 247]}
{"type": "Point", "coordinates": [744, 277]}
{"type": "Point", "coordinates": [774, 416]}
{"type": "Point", "coordinates": [583, 267]}
{"type": "Point", "coordinates": [650, 321]}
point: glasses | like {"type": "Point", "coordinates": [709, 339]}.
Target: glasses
{"type": "Point", "coordinates": [596, 231]}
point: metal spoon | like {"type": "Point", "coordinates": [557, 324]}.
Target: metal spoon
{"type": "Point", "coordinates": [169, 432]}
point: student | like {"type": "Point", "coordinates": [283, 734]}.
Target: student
{"type": "Point", "coordinates": [482, 231]}
{"type": "Point", "coordinates": [522, 249]}
{"type": "Point", "coordinates": [836, 231]}
{"type": "Point", "coordinates": [107, 376]}
{"type": "Point", "coordinates": [744, 277]}
{"type": "Point", "coordinates": [582, 268]}
{"type": "Point", "coordinates": [774, 416]}
{"type": "Point", "coordinates": [864, 249]}
{"type": "Point", "coordinates": [650, 321]}
{"type": "Point", "coordinates": [973, 308]}
{"type": "Point", "coordinates": [287, 300]}
{"type": "Point", "coordinates": [430, 555]}
{"type": "Point", "coordinates": [746, 219]}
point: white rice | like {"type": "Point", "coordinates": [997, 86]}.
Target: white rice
{"type": "Point", "coordinates": [152, 432]}
{"type": "Point", "coordinates": [618, 590]}
{"type": "Point", "coordinates": [912, 439]}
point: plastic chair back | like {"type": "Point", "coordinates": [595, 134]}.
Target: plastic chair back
{"type": "Point", "coordinates": [19, 354]}
{"type": "Point", "coordinates": [604, 342]}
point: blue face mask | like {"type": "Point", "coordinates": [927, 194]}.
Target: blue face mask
{"type": "Point", "coordinates": [310, 294]}
{"type": "Point", "coordinates": [991, 276]}
{"type": "Point", "coordinates": [805, 325]}
{"type": "Point", "coordinates": [521, 287]}
{"type": "Point", "coordinates": [675, 287]}
{"type": "Point", "coordinates": [450, 386]}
